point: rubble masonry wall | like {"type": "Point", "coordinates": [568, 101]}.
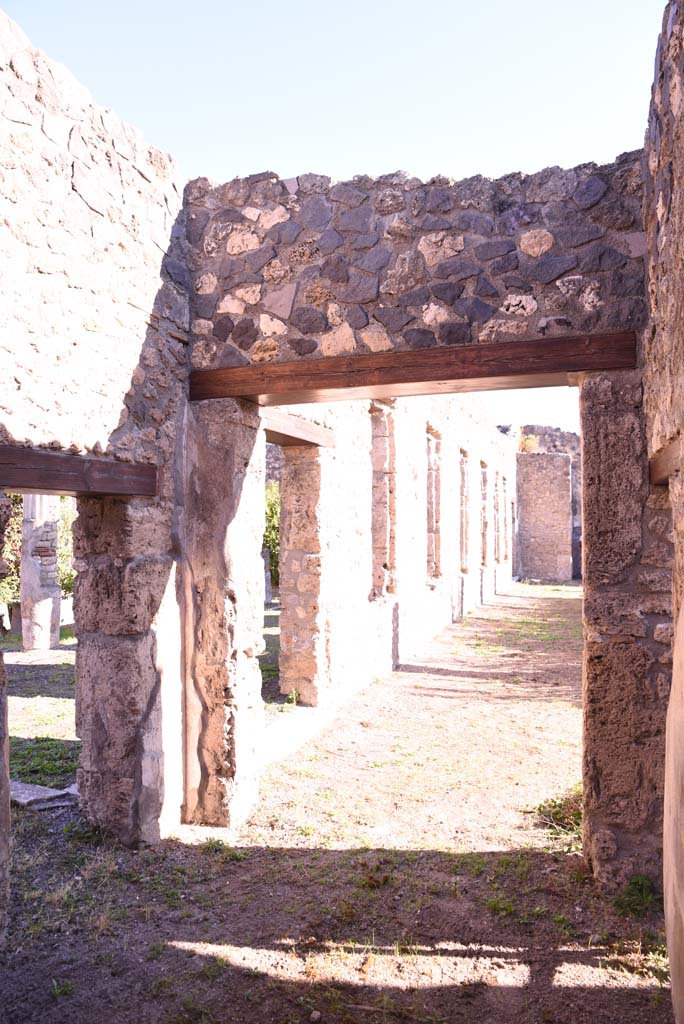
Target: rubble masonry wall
{"type": "Point", "coordinates": [544, 516]}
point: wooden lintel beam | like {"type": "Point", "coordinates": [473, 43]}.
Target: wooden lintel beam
{"type": "Point", "coordinates": [537, 362]}
{"type": "Point", "coordinates": [289, 431]}
{"type": "Point", "coordinates": [41, 471]}
{"type": "Point", "coordinates": [667, 461]}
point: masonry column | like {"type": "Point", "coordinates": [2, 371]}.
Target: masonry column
{"type": "Point", "coordinates": [628, 628]}
{"type": "Point", "coordinates": [128, 666]}
{"type": "Point", "coordinates": [40, 594]}
{"type": "Point", "coordinates": [223, 599]}
{"type": "Point", "coordinates": [5, 512]}
{"type": "Point", "coordinates": [304, 661]}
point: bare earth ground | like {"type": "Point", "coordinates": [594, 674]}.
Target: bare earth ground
{"type": "Point", "coordinates": [393, 870]}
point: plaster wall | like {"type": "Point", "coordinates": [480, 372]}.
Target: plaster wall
{"type": "Point", "coordinates": [544, 516]}
{"type": "Point", "coordinates": [375, 490]}
{"type": "Point", "coordinates": [93, 326]}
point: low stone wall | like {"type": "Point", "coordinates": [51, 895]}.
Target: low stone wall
{"type": "Point", "coordinates": [304, 268]}
{"type": "Point", "coordinates": [544, 516]}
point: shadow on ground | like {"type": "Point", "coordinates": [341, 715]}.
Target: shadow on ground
{"type": "Point", "coordinates": [214, 934]}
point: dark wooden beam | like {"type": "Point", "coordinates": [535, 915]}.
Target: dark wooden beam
{"type": "Point", "coordinates": [539, 362]}
{"type": "Point", "coordinates": [667, 461]}
{"type": "Point", "coordinates": [288, 431]}
{"type": "Point", "coordinates": [40, 471]}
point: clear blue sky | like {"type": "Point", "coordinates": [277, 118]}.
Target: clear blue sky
{"type": "Point", "coordinates": [363, 86]}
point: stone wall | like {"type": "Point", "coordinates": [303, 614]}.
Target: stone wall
{"type": "Point", "coordinates": [553, 439]}
{"type": "Point", "coordinates": [5, 512]}
{"type": "Point", "coordinates": [304, 268]}
{"type": "Point", "coordinates": [371, 544]}
{"type": "Point", "coordinates": [628, 630]}
{"type": "Point", "coordinates": [544, 533]}
{"type": "Point", "coordinates": [94, 326]}
{"type": "Point", "coordinates": [664, 404]}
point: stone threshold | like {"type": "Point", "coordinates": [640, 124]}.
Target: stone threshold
{"type": "Point", "coordinates": [41, 798]}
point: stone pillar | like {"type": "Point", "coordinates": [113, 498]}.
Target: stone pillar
{"type": "Point", "coordinates": [128, 668]}
{"type": "Point", "coordinates": [40, 592]}
{"type": "Point", "coordinates": [544, 516]}
{"type": "Point", "coordinates": [383, 509]}
{"type": "Point", "coordinates": [627, 619]}
{"type": "Point", "coordinates": [5, 512]}
{"type": "Point", "coordinates": [223, 598]}
{"type": "Point", "coordinates": [304, 656]}
{"type": "Point", "coordinates": [674, 770]}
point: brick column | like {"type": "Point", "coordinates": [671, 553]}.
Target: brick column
{"type": "Point", "coordinates": [304, 660]}
{"type": "Point", "coordinates": [628, 628]}
{"type": "Point", "coordinates": [40, 594]}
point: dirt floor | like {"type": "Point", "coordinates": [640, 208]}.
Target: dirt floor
{"type": "Point", "coordinates": [395, 869]}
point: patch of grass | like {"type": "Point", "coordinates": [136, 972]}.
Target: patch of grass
{"type": "Point", "coordinates": [67, 635]}
{"type": "Point", "coordinates": [156, 950]}
{"type": "Point", "coordinates": [213, 969]}
{"type": "Point", "coordinates": [474, 864]}
{"type": "Point", "coordinates": [222, 851]}
{"type": "Point", "coordinates": [61, 987]}
{"type": "Point", "coordinates": [563, 816]}
{"type": "Point", "coordinates": [637, 898]}
{"type": "Point", "coordinates": [645, 957]}
{"type": "Point", "coordinates": [498, 904]}
{"type": "Point", "coordinates": [564, 923]}
{"type": "Point", "coordinates": [82, 832]}
{"type": "Point", "coordinates": [44, 761]}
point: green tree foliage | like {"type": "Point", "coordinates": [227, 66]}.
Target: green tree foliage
{"type": "Point", "coordinates": [272, 531]}
{"type": "Point", "coordinates": [11, 552]}
{"type": "Point", "coordinates": [65, 569]}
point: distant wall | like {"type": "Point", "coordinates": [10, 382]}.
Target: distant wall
{"type": "Point", "coordinates": [553, 439]}
{"type": "Point", "coordinates": [93, 333]}
{"type": "Point", "coordinates": [544, 516]}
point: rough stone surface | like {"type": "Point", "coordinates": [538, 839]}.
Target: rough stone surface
{"type": "Point", "coordinates": [223, 588]}
{"type": "Point", "coordinates": [94, 278]}
{"type": "Point", "coordinates": [627, 666]}
{"type": "Point", "coordinates": [437, 247]}
{"type": "Point", "coordinates": [663, 354]}
{"type": "Point", "coordinates": [544, 529]}
{"type": "Point", "coordinates": [534, 437]}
